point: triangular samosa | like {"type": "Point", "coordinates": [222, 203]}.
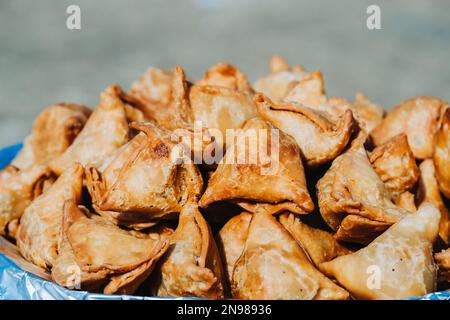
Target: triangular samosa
{"type": "Point", "coordinates": [40, 225]}
{"type": "Point", "coordinates": [53, 132]}
{"type": "Point", "coordinates": [192, 266]}
{"type": "Point", "coordinates": [397, 264]}
{"type": "Point", "coordinates": [262, 172]}
{"type": "Point", "coordinates": [105, 132]}
{"type": "Point", "coordinates": [274, 266]}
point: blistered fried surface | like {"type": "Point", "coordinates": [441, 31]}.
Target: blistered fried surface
{"type": "Point", "coordinates": [53, 132]}
{"type": "Point", "coordinates": [441, 156]}
{"type": "Point", "coordinates": [352, 187]}
{"type": "Point", "coordinates": [394, 162]}
{"type": "Point", "coordinates": [273, 184]}
{"type": "Point", "coordinates": [40, 225]}
{"type": "Point", "coordinates": [17, 189]}
{"type": "Point", "coordinates": [192, 266]}
{"type": "Point", "coordinates": [274, 266]}
{"type": "Point", "coordinates": [418, 118]}
{"type": "Point", "coordinates": [397, 264]}
{"type": "Point", "coordinates": [428, 191]}
{"type": "Point", "coordinates": [320, 245]}
{"type": "Point", "coordinates": [144, 181]}
{"type": "Point", "coordinates": [319, 138]}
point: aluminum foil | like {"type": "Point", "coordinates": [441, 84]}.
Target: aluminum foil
{"type": "Point", "coordinates": [18, 284]}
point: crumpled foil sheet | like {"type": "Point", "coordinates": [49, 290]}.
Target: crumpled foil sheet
{"type": "Point", "coordinates": [18, 284]}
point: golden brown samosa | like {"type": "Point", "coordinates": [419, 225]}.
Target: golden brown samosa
{"type": "Point", "coordinates": [428, 191]}
{"type": "Point", "coordinates": [53, 132]}
{"type": "Point", "coordinates": [146, 181]}
{"type": "Point", "coordinates": [368, 114]}
{"type": "Point", "coordinates": [40, 225]}
{"type": "Point", "coordinates": [418, 118]}
{"type": "Point", "coordinates": [320, 139]}
{"type": "Point", "coordinates": [192, 266]}
{"type": "Point", "coordinates": [100, 249]}
{"type": "Point", "coordinates": [274, 266]}
{"type": "Point", "coordinates": [320, 245]}
{"type": "Point", "coordinates": [441, 155]}
{"type": "Point", "coordinates": [397, 264]}
{"type": "Point", "coordinates": [277, 84]}
{"type": "Point", "coordinates": [443, 261]}
{"type": "Point", "coordinates": [227, 76]}
{"type": "Point", "coordinates": [18, 188]}
{"type": "Point", "coordinates": [394, 162]}
{"type": "Point", "coordinates": [261, 170]}
{"type": "Point", "coordinates": [164, 97]}
{"type": "Point", "coordinates": [231, 241]}
{"type": "Point", "coordinates": [353, 200]}
{"type": "Point", "coordinates": [105, 132]}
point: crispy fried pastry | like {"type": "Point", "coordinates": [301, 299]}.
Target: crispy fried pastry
{"type": "Point", "coordinates": [226, 76]}
{"type": "Point", "coordinates": [144, 182]}
{"type": "Point", "coordinates": [397, 264]}
{"type": "Point", "coordinates": [271, 182]}
{"type": "Point", "coordinates": [428, 191]}
{"type": "Point", "coordinates": [368, 114]}
{"type": "Point", "coordinates": [320, 245]}
{"type": "Point", "coordinates": [406, 201]}
{"type": "Point", "coordinates": [104, 132]}
{"type": "Point", "coordinates": [53, 132]}
{"type": "Point", "coordinates": [192, 266]}
{"type": "Point", "coordinates": [320, 140]}
{"type": "Point", "coordinates": [231, 241]}
{"type": "Point", "coordinates": [164, 97]}
{"type": "Point", "coordinates": [274, 266]}
{"type": "Point", "coordinates": [97, 248]}
{"type": "Point", "coordinates": [394, 162]}
{"type": "Point", "coordinates": [40, 225]}
{"type": "Point", "coordinates": [353, 200]}
{"type": "Point", "coordinates": [17, 189]}
{"type": "Point", "coordinates": [222, 99]}
{"type": "Point", "coordinates": [443, 262]}
{"type": "Point", "coordinates": [418, 119]}
{"type": "Point", "coordinates": [441, 155]}
{"type": "Point", "coordinates": [277, 84]}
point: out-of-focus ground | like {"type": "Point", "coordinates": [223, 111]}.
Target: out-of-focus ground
{"type": "Point", "coordinates": [42, 62]}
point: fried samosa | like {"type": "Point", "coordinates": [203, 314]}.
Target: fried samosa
{"type": "Point", "coordinates": [418, 118]}
{"type": "Point", "coordinates": [231, 241]}
{"type": "Point", "coordinates": [441, 155]}
{"type": "Point", "coordinates": [352, 198]}
{"type": "Point", "coordinates": [261, 171]}
{"type": "Point", "coordinates": [100, 248]}
{"type": "Point", "coordinates": [397, 264]}
{"type": "Point", "coordinates": [320, 245]}
{"type": "Point", "coordinates": [144, 182]}
{"type": "Point", "coordinates": [105, 132]}
{"type": "Point", "coordinates": [18, 188]}
{"type": "Point", "coordinates": [406, 201]}
{"type": "Point", "coordinates": [192, 265]}
{"type": "Point", "coordinates": [443, 262]}
{"type": "Point", "coordinates": [40, 225]}
{"type": "Point", "coordinates": [277, 84]}
{"type": "Point", "coordinates": [394, 162]}
{"type": "Point", "coordinates": [53, 132]}
{"type": "Point", "coordinates": [368, 114]}
{"type": "Point", "coordinates": [164, 97]}
{"type": "Point", "coordinates": [226, 76]}
{"type": "Point", "coordinates": [320, 140]}
{"type": "Point", "coordinates": [274, 266]}
{"type": "Point", "coordinates": [222, 99]}
{"type": "Point", "coordinates": [428, 191]}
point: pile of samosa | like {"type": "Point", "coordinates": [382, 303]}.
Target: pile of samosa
{"type": "Point", "coordinates": [355, 207]}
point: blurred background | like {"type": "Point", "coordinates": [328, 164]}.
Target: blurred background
{"type": "Point", "coordinates": [42, 62]}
